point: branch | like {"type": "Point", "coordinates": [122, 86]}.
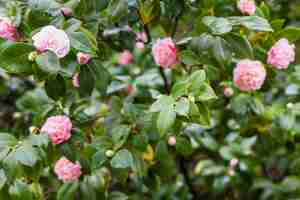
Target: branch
{"type": "Point", "coordinates": [164, 77]}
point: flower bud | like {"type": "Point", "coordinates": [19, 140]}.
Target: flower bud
{"type": "Point", "coordinates": [33, 129]}
{"type": "Point", "coordinates": [83, 58]}
{"type": "Point", "coordinates": [234, 162]}
{"type": "Point", "coordinates": [172, 141]}
{"type": "Point", "coordinates": [68, 12]}
{"type": "Point", "coordinates": [33, 55]}
{"type": "Point", "coordinates": [109, 153]}
{"type": "Point", "coordinates": [228, 92]}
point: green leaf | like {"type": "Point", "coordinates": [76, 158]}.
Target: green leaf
{"type": "Point", "coordinates": [38, 140]}
{"type": "Point", "coordinates": [26, 154]}
{"type": "Point", "coordinates": [221, 51]}
{"type": "Point", "coordinates": [188, 57]}
{"type": "Point", "coordinates": [180, 88]}
{"type": "Point", "coordinates": [149, 10]}
{"type": "Point", "coordinates": [122, 160]}
{"type": "Point", "coordinates": [163, 102]}
{"type": "Point", "coordinates": [183, 146]}
{"type": "Point", "coordinates": [3, 178]}
{"type": "Point", "coordinates": [166, 119]}
{"type": "Point", "coordinates": [161, 151]}
{"type": "Point", "coordinates": [55, 87]}
{"type": "Point", "coordinates": [117, 9]}
{"type": "Point", "coordinates": [116, 195]}
{"type": "Point", "coordinates": [48, 62]}
{"type": "Point", "coordinates": [7, 140]}
{"type": "Point", "coordinates": [182, 107]}
{"type": "Point", "coordinates": [205, 93]}
{"type": "Point", "coordinates": [291, 33]}
{"type": "Point", "coordinates": [102, 76]}
{"type": "Point", "coordinates": [14, 58]}
{"type": "Point", "coordinates": [20, 191]}
{"type": "Point", "coordinates": [87, 81]}
{"type": "Point", "coordinates": [81, 42]}
{"type": "Point", "coordinates": [217, 25]}
{"type": "Point", "coordinates": [240, 46]}
{"type": "Point", "coordinates": [120, 135]}
{"type": "Point", "coordinates": [98, 159]}
{"type": "Point", "coordinates": [252, 22]}
{"type": "Point", "coordinates": [67, 191]}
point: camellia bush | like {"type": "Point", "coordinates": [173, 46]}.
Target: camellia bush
{"type": "Point", "coordinates": [149, 99]}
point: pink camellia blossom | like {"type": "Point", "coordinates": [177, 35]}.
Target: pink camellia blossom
{"type": "Point", "coordinates": [58, 128]}
{"type": "Point", "coordinates": [140, 45]}
{"type": "Point", "coordinates": [249, 75]}
{"type": "Point", "coordinates": [281, 54]}
{"type": "Point", "coordinates": [247, 6]}
{"type": "Point", "coordinates": [142, 37]}
{"type": "Point", "coordinates": [76, 80]}
{"type": "Point", "coordinates": [7, 30]}
{"type": "Point", "coordinates": [165, 53]}
{"type": "Point", "coordinates": [125, 58]}
{"type": "Point", "coordinates": [83, 58]}
{"type": "Point", "coordinates": [67, 171]}
{"type": "Point", "coordinates": [52, 39]}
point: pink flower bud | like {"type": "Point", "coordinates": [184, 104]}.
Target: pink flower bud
{"type": "Point", "coordinates": [165, 53]}
{"type": "Point", "coordinates": [140, 45]}
{"type": "Point", "coordinates": [172, 141]}
{"type": "Point", "coordinates": [125, 58]}
{"type": "Point", "coordinates": [58, 128]}
{"type": "Point", "coordinates": [7, 31]}
{"type": "Point", "coordinates": [228, 92]}
{"type": "Point", "coordinates": [52, 39]}
{"type": "Point", "coordinates": [249, 75]}
{"type": "Point", "coordinates": [67, 171]}
{"type": "Point", "coordinates": [247, 6]}
{"type": "Point", "coordinates": [76, 80]}
{"type": "Point", "coordinates": [130, 89]}
{"type": "Point", "coordinates": [142, 37]}
{"type": "Point", "coordinates": [83, 58]}
{"type": "Point", "coordinates": [233, 162]}
{"type": "Point", "coordinates": [281, 54]}
{"type": "Point", "coordinates": [68, 12]}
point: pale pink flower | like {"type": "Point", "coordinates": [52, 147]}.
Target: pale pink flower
{"type": "Point", "coordinates": [281, 54]}
{"type": "Point", "coordinates": [247, 6]}
{"type": "Point", "coordinates": [249, 75]}
{"type": "Point", "coordinates": [125, 58]}
{"type": "Point", "coordinates": [76, 80]}
{"type": "Point", "coordinates": [142, 37]}
{"type": "Point", "coordinates": [7, 30]}
{"type": "Point", "coordinates": [58, 128]}
{"type": "Point", "coordinates": [67, 171]}
{"type": "Point", "coordinates": [140, 45]}
{"type": "Point", "coordinates": [83, 58]}
{"type": "Point", "coordinates": [165, 53]}
{"type": "Point", "coordinates": [52, 39]}
{"type": "Point", "coordinates": [228, 92]}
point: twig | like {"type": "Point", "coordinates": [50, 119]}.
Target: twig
{"type": "Point", "coordinates": [164, 77]}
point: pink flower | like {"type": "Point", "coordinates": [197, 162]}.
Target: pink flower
{"type": "Point", "coordinates": [130, 89]}
{"type": "Point", "coordinates": [52, 39]}
{"type": "Point", "coordinates": [7, 31]}
{"type": "Point", "coordinates": [76, 80]}
{"type": "Point", "coordinates": [140, 45]}
{"type": "Point", "coordinates": [172, 141]}
{"type": "Point", "coordinates": [58, 128]}
{"type": "Point", "coordinates": [247, 6]}
{"type": "Point", "coordinates": [249, 75]}
{"type": "Point", "coordinates": [142, 37]}
{"type": "Point", "coordinates": [281, 54]}
{"type": "Point", "coordinates": [165, 52]}
{"type": "Point", "coordinates": [67, 171]}
{"type": "Point", "coordinates": [125, 58]}
{"type": "Point", "coordinates": [83, 58]}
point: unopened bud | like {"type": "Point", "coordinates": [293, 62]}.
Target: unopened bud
{"type": "Point", "coordinates": [289, 105]}
{"type": "Point", "coordinates": [228, 92]}
{"type": "Point", "coordinates": [109, 153]}
{"type": "Point", "coordinates": [33, 129]}
{"type": "Point", "coordinates": [172, 141]}
{"type": "Point", "coordinates": [231, 172]}
{"type": "Point", "coordinates": [33, 55]}
{"type": "Point", "coordinates": [67, 12]}
{"type": "Point", "coordinates": [234, 162]}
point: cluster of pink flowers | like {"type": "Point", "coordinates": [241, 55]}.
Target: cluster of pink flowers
{"type": "Point", "coordinates": [165, 53]}
{"type": "Point", "coordinates": [246, 6]}
{"type": "Point", "coordinates": [249, 75]}
{"type": "Point", "coordinates": [281, 54]}
{"type": "Point", "coordinates": [8, 31]}
{"type": "Point", "coordinates": [67, 171]}
{"type": "Point", "coordinates": [125, 58]}
{"type": "Point", "coordinates": [58, 128]}
{"type": "Point", "coordinates": [52, 39]}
